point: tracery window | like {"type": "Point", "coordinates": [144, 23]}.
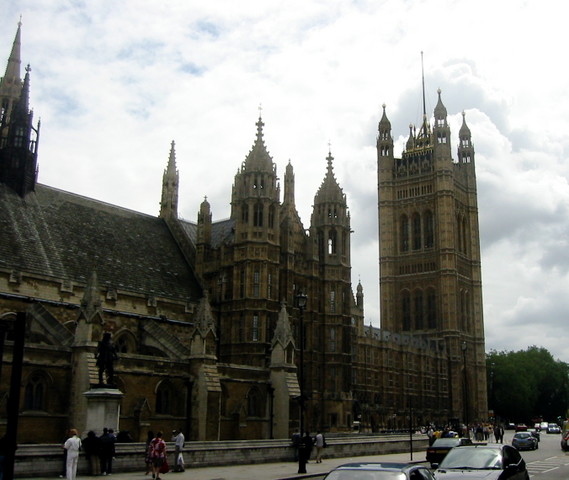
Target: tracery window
{"type": "Point", "coordinates": [34, 395]}
{"type": "Point", "coordinates": [416, 231]}
{"type": "Point", "coordinates": [429, 227]}
{"type": "Point", "coordinates": [404, 233]}
{"type": "Point", "coordinates": [258, 215]}
{"type": "Point", "coordinates": [164, 398]}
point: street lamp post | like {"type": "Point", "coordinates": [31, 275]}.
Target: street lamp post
{"type": "Point", "coordinates": [303, 449]}
{"type": "Point", "coordinates": [301, 299]}
{"type": "Point", "coordinates": [465, 389]}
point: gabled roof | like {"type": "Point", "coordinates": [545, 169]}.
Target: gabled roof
{"type": "Point", "coordinates": [60, 234]}
{"type": "Point", "coordinates": [222, 232]}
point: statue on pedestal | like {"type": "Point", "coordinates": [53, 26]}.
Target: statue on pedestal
{"type": "Point", "coordinates": [106, 356]}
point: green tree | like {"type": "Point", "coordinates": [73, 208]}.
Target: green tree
{"type": "Point", "coordinates": [527, 384]}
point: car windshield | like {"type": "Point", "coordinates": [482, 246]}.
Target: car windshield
{"type": "Point", "coordinates": [475, 458]}
{"type": "Point", "coordinates": [522, 435]}
{"type": "Point", "coordinates": [364, 475]}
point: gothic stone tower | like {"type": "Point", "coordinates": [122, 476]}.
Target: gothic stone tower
{"type": "Point", "coordinates": [18, 137]}
{"type": "Point", "coordinates": [430, 272]}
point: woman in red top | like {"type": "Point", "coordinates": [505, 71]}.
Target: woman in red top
{"type": "Point", "coordinates": [157, 454]}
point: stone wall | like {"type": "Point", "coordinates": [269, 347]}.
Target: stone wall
{"type": "Point", "coordinates": [47, 460]}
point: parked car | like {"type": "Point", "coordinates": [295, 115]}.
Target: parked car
{"type": "Point", "coordinates": [553, 428]}
{"type": "Point", "coordinates": [524, 441]}
{"type": "Point", "coordinates": [492, 461]}
{"type": "Point", "coordinates": [380, 471]}
{"type": "Point", "coordinates": [521, 427]}
{"type": "Point", "coordinates": [441, 446]}
{"type": "Point", "coordinates": [544, 425]}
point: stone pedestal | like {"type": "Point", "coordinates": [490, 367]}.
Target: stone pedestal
{"type": "Point", "coordinates": [103, 409]}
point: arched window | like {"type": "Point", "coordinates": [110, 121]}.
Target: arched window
{"type": "Point", "coordinates": [332, 242]}
{"type": "Point", "coordinates": [224, 398]}
{"type": "Point", "coordinates": [404, 233]}
{"type": "Point", "coordinates": [34, 395]}
{"type": "Point", "coordinates": [429, 228]}
{"type": "Point", "coordinates": [418, 309]}
{"type": "Point", "coordinates": [255, 328]}
{"type": "Point", "coordinates": [125, 343]}
{"type": "Point", "coordinates": [416, 231]}
{"type": "Point", "coordinates": [256, 284]}
{"type": "Point", "coordinates": [164, 398]}
{"type": "Point", "coordinates": [254, 403]}
{"type": "Point", "coordinates": [431, 309]}
{"type": "Point", "coordinates": [464, 236]}
{"type": "Point", "coordinates": [258, 215]}
{"type": "Point", "coordinates": [406, 310]}
{"type": "Point", "coordinates": [272, 216]}
{"type": "Point", "coordinates": [245, 213]}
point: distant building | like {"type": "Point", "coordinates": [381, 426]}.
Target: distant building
{"type": "Point", "coordinates": [204, 314]}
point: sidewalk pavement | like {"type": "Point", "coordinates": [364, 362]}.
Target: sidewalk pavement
{"type": "Point", "coordinates": [261, 471]}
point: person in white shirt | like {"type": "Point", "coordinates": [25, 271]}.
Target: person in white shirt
{"type": "Point", "coordinates": [178, 437]}
{"type": "Point", "coordinates": [319, 444]}
{"type": "Point", "coordinates": [72, 445]}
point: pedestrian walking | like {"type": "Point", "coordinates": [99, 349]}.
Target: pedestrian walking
{"type": "Point", "coordinates": [319, 443]}
{"type": "Point", "coordinates": [72, 445]}
{"type": "Point", "coordinates": [157, 454]}
{"type": "Point", "coordinates": [178, 438]}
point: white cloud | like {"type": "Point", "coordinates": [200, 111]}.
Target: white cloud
{"type": "Point", "coordinates": [114, 83]}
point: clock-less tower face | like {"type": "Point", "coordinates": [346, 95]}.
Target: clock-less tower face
{"type": "Point", "coordinates": [429, 253]}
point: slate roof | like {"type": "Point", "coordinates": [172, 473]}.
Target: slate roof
{"type": "Point", "coordinates": [56, 233]}
{"type": "Point", "coordinates": [222, 232]}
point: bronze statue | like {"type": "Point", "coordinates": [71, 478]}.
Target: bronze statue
{"type": "Point", "coordinates": [106, 356]}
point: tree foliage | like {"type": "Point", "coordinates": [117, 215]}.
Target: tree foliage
{"type": "Point", "coordinates": [527, 384]}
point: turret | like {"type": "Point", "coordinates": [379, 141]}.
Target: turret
{"type": "Point", "coordinates": [331, 219]}
{"type": "Point", "coordinates": [11, 82]}
{"type": "Point", "coordinates": [18, 145]}
{"type": "Point", "coordinates": [465, 147]}
{"type": "Point", "coordinates": [441, 131]}
{"type": "Point", "coordinates": [255, 199]}
{"type": "Point", "coordinates": [170, 183]}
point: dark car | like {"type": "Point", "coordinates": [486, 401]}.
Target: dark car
{"type": "Point", "coordinates": [492, 461]}
{"type": "Point", "coordinates": [380, 471]}
{"type": "Point", "coordinates": [535, 433]}
{"type": "Point", "coordinates": [524, 441]}
{"type": "Point", "coordinates": [441, 446]}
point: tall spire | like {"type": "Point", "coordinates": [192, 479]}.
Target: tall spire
{"type": "Point", "coordinates": [258, 158]}
{"type": "Point", "coordinates": [423, 83]}
{"type": "Point", "coordinates": [329, 190]}
{"type": "Point", "coordinates": [170, 180]}
{"type": "Point", "coordinates": [11, 82]}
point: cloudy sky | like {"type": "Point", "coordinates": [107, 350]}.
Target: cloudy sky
{"type": "Point", "coordinates": [115, 82]}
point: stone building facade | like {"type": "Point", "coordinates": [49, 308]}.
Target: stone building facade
{"type": "Point", "coordinates": [204, 314]}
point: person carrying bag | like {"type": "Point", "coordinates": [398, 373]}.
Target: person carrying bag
{"type": "Point", "coordinates": [157, 456]}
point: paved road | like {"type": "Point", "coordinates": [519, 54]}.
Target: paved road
{"type": "Point", "coordinates": [265, 471]}
{"type": "Point", "coordinates": [549, 462]}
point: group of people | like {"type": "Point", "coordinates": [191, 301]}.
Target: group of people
{"type": "Point", "coordinates": [479, 432]}
{"type": "Point", "coordinates": [99, 452]}
{"type": "Point", "coordinates": [304, 445]}
{"type": "Point", "coordinates": [156, 453]}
